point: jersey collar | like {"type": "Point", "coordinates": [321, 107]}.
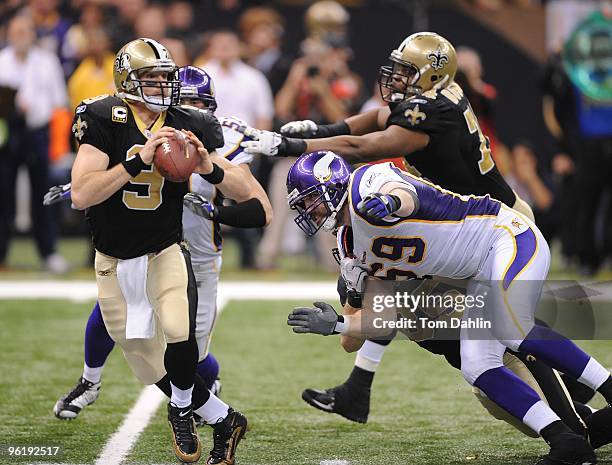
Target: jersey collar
{"type": "Point", "coordinates": [147, 131]}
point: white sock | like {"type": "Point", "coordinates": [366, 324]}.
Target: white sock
{"type": "Point", "coordinates": [369, 356]}
{"type": "Point", "coordinates": [92, 375]}
{"type": "Point", "coordinates": [594, 374]}
{"type": "Point", "coordinates": [181, 397]}
{"type": "Point", "coordinates": [539, 416]}
{"type": "Point", "coordinates": [213, 410]}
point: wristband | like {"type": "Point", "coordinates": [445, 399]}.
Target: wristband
{"type": "Point", "coordinates": [134, 165]}
{"type": "Point", "coordinates": [331, 130]}
{"type": "Point", "coordinates": [341, 326]}
{"type": "Point", "coordinates": [396, 201]}
{"type": "Point", "coordinates": [290, 147]}
{"type": "Point", "coordinates": [215, 176]}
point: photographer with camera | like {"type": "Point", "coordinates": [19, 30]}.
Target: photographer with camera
{"type": "Point", "coordinates": [320, 87]}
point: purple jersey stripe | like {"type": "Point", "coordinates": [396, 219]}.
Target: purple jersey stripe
{"type": "Point", "coordinates": [526, 245]}
{"type": "Point", "coordinates": [435, 204]}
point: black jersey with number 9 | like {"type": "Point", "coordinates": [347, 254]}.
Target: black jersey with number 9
{"type": "Point", "coordinates": [145, 215]}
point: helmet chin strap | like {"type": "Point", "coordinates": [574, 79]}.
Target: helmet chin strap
{"type": "Point", "coordinates": [154, 103]}
{"type": "Point", "coordinates": [331, 223]}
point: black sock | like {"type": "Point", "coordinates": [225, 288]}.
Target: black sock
{"type": "Point", "coordinates": [180, 361]}
{"type": "Point", "coordinates": [582, 410]}
{"type": "Point", "coordinates": [361, 378]}
{"type": "Point", "coordinates": [606, 390]}
{"type": "Point", "coordinates": [552, 431]}
{"type": "Point", "coordinates": [164, 386]}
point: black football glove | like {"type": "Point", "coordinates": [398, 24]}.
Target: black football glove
{"type": "Point", "coordinates": [201, 206]}
{"type": "Point", "coordinates": [320, 319]}
{"type": "Point", "coordinates": [57, 194]}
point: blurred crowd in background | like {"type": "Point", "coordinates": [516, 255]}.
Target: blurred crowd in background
{"type": "Point", "coordinates": [284, 60]}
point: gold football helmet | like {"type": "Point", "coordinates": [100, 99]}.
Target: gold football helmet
{"type": "Point", "coordinates": [326, 18]}
{"type": "Point", "coordinates": [137, 57]}
{"type": "Point", "coordinates": [422, 62]}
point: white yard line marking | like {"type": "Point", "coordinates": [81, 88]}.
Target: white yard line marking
{"type": "Point", "coordinates": [120, 443]}
{"type": "Point", "coordinates": [232, 290]}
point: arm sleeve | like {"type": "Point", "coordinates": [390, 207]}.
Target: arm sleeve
{"type": "Point", "coordinates": [247, 214]}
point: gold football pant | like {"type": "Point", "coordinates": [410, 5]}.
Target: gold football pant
{"type": "Point", "coordinates": [522, 207]}
{"type": "Point", "coordinates": [173, 302]}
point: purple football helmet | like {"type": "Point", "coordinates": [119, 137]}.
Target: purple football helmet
{"type": "Point", "coordinates": [196, 84]}
{"type": "Point", "coordinates": [322, 178]}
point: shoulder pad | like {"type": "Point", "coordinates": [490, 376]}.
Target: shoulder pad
{"type": "Point", "coordinates": [235, 124]}
{"type": "Point", "coordinates": [100, 106]}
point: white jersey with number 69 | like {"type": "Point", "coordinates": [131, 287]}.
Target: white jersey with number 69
{"type": "Point", "coordinates": [447, 235]}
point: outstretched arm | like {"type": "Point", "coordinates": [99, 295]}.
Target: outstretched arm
{"type": "Point", "coordinates": [392, 142]}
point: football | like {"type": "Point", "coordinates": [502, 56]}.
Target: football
{"type": "Point", "coordinates": [176, 159]}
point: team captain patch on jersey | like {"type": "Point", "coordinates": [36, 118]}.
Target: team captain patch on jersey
{"type": "Point", "coordinates": [203, 235]}
{"type": "Point", "coordinates": [144, 216]}
{"type": "Point", "coordinates": [458, 156]}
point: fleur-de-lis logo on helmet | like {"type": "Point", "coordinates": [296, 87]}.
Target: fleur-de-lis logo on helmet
{"type": "Point", "coordinates": [122, 62]}
{"type": "Point", "coordinates": [438, 58]}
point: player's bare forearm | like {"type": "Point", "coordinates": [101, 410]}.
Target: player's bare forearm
{"type": "Point", "coordinates": [92, 183]}
{"type": "Point", "coordinates": [350, 343]}
{"type": "Point", "coordinates": [370, 121]}
{"type": "Point", "coordinates": [352, 148]}
{"type": "Point", "coordinates": [233, 185]}
{"type": "Point", "coordinates": [392, 142]}
{"type": "Point", "coordinates": [407, 202]}
{"type": "Point", "coordinates": [258, 192]}
{"type": "Point", "coordinates": [94, 187]}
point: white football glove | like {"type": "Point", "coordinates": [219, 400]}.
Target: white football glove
{"type": "Point", "coordinates": [305, 128]}
{"type": "Point", "coordinates": [354, 274]}
{"type": "Point", "coordinates": [263, 143]}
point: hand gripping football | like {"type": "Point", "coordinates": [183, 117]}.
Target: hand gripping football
{"type": "Point", "coordinates": [176, 159]}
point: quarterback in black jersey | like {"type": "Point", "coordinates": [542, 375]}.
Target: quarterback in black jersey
{"type": "Point", "coordinates": [146, 286]}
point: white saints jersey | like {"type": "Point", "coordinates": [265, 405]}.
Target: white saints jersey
{"type": "Point", "coordinates": [447, 235]}
{"type": "Point", "coordinates": [202, 235]}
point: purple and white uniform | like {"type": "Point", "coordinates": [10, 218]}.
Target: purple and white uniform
{"type": "Point", "coordinates": [204, 236]}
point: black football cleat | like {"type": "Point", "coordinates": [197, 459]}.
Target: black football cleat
{"type": "Point", "coordinates": [347, 400]}
{"type": "Point", "coordinates": [84, 393]}
{"type": "Point", "coordinates": [185, 440]}
{"type": "Point", "coordinates": [569, 449]}
{"type": "Point", "coordinates": [227, 433]}
{"type": "Point", "coordinates": [599, 427]}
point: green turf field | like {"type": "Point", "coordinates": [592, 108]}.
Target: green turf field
{"type": "Point", "coordinates": [422, 410]}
